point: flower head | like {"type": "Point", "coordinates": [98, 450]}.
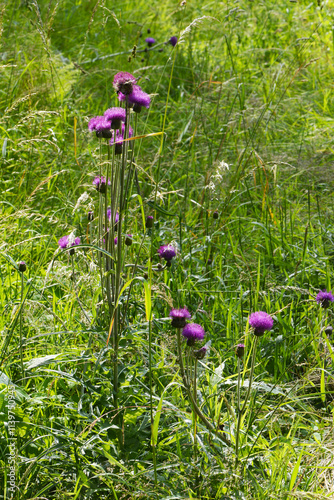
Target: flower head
{"type": "Point", "coordinates": [138, 98]}
{"type": "Point", "coordinates": [173, 40]}
{"type": "Point", "coordinates": [150, 41]}
{"type": "Point", "coordinates": [120, 135]}
{"type": "Point", "coordinates": [115, 116]}
{"type": "Point", "coordinates": [324, 298]}
{"type": "Point", "coordinates": [109, 215]}
{"type": "Point", "coordinates": [22, 266]}
{"type": "Point", "coordinates": [101, 126]}
{"type": "Point", "coordinates": [193, 332]}
{"type": "Point", "coordinates": [124, 82]}
{"type": "Point", "coordinates": [100, 184]}
{"type": "Point", "coordinates": [260, 321]}
{"type": "Point", "coordinates": [179, 317]}
{"type": "Point", "coordinates": [149, 222]}
{"type": "Point", "coordinates": [128, 240]}
{"type": "Point", "coordinates": [68, 241]}
{"type": "Point", "coordinates": [167, 252]}
{"type": "Point", "coordinates": [240, 350]}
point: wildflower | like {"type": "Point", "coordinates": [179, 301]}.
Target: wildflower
{"type": "Point", "coordinates": [260, 321]}
{"type": "Point", "coordinates": [101, 126]}
{"type": "Point", "coordinates": [22, 266]}
{"type": "Point", "coordinates": [150, 41]}
{"type": "Point", "coordinates": [324, 298]}
{"type": "Point", "coordinates": [179, 317]}
{"type": "Point", "coordinates": [149, 221]}
{"type": "Point", "coordinates": [138, 98]}
{"type": "Point", "coordinates": [124, 82]}
{"type": "Point", "coordinates": [200, 354]}
{"type": "Point", "coordinates": [167, 252]}
{"type": "Point", "coordinates": [173, 40]}
{"type": "Point", "coordinates": [240, 350]}
{"type": "Point", "coordinates": [116, 116]}
{"type": "Point", "coordinates": [193, 332]}
{"type": "Point", "coordinates": [100, 184]}
{"type": "Point", "coordinates": [115, 240]}
{"type": "Point", "coordinates": [68, 242]}
{"type": "Point", "coordinates": [119, 139]}
{"type": "Point", "coordinates": [109, 215]}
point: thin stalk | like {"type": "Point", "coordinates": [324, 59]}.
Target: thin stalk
{"type": "Point", "coordinates": [76, 293]}
{"type": "Point", "coordinates": [239, 417]}
{"type": "Point", "coordinates": [196, 409]}
{"type": "Point", "coordinates": [21, 325]}
{"type": "Point", "coordinates": [108, 235]}
{"type": "Point", "coordinates": [116, 326]}
{"type": "Point", "coordinates": [195, 399]}
{"type": "Point", "coordinates": [100, 223]}
{"type": "Point", "coordinates": [243, 409]}
{"type": "Point", "coordinates": [151, 396]}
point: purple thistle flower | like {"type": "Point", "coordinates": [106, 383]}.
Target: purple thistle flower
{"type": "Point", "coordinates": [120, 135]}
{"type": "Point", "coordinates": [179, 317]}
{"type": "Point", "coordinates": [92, 123]}
{"type": "Point", "coordinates": [193, 332]}
{"type": "Point", "coordinates": [109, 215]}
{"type": "Point", "coordinates": [260, 321]}
{"type": "Point", "coordinates": [173, 40]}
{"type": "Point", "coordinates": [240, 350]}
{"type": "Point", "coordinates": [138, 98]}
{"type": "Point", "coordinates": [115, 116]}
{"type": "Point", "coordinates": [324, 298]}
{"type": "Point", "coordinates": [150, 41]}
{"type": "Point", "coordinates": [100, 184]}
{"type": "Point", "coordinates": [115, 240]}
{"type": "Point", "coordinates": [101, 126]}
{"type": "Point", "coordinates": [124, 82]}
{"type": "Point", "coordinates": [67, 242]}
{"type": "Point", "coordinates": [167, 252]}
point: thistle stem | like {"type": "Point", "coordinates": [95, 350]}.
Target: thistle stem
{"type": "Point", "coordinates": [21, 325]}
{"type": "Point", "coordinates": [196, 409]}
{"type": "Point", "coordinates": [243, 409]}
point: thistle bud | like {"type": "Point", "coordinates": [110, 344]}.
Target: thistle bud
{"type": "Point", "coordinates": [240, 350]}
{"type": "Point", "coordinates": [329, 330]}
{"type": "Point", "coordinates": [128, 240]}
{"type": "Point", "coordinates": [149, 221]}
{"type": "Point", "coordinates": [22, 266]}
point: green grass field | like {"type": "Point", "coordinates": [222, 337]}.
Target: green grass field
{"type": "Point", "coordinates": [100, 397]}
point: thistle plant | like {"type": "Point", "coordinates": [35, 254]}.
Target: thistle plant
{"type": "Point", "coordinates": [193, 333]}
{"type": "Point", "coordinates": [22, 268]}
{"type": "Point", "coordinates": [114, 186]}
{"type": "Point", "coordinates": [260, 322]}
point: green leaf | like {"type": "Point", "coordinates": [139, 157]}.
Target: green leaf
{"type": "Point", "coordinates": [295, 471]}
{"type": "Point", "coordinates": [45, 360]}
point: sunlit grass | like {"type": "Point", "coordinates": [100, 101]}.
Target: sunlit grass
{"type": "Point", "coordinates": [248, 132]}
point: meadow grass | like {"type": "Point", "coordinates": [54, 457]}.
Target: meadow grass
{"type": "Point", "coordinates": [242, 111]}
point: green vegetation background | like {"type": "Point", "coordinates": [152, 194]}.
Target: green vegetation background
{"type": "Point", "coordinates": [245, 101]}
